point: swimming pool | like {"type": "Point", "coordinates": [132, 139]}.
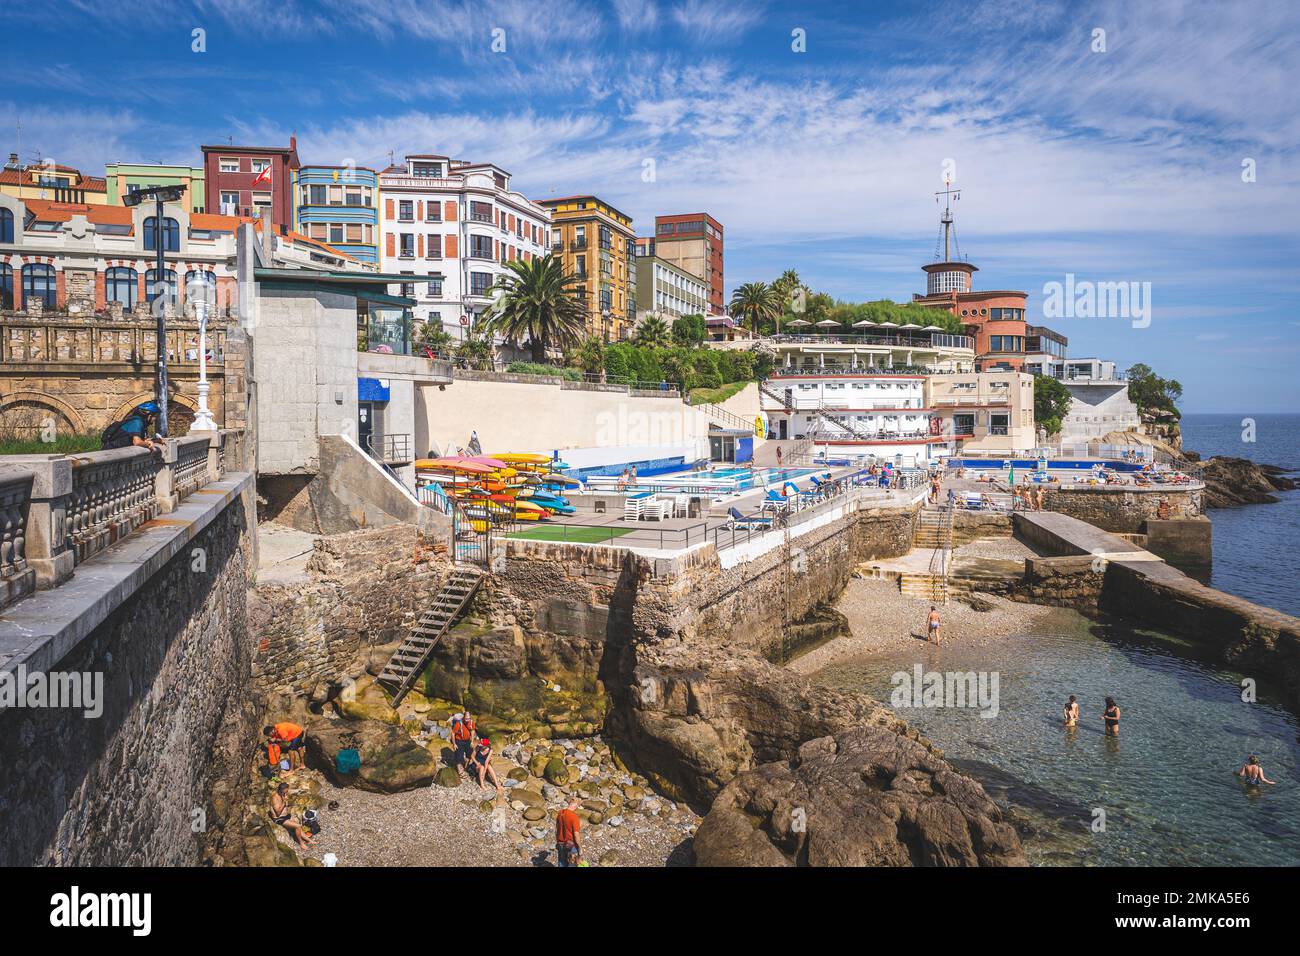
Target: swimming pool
{"type": "Point", "coordinates": [714, 481]}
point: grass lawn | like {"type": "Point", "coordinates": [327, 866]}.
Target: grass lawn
{"type": "Point", "coordinates": [716, 396]}
{"type": "Point", "coordinates": [579, 535]}
{"type": "Point", "coordinates": [64, 445]}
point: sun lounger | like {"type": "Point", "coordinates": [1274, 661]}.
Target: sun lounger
{"type": "Point", "coordinates": [634, 504]}
{"type": "Point", "coordinates": [738, 521]}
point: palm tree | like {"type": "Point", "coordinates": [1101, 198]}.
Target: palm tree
{"type": "Point", "coordinates": [653, 332]}
{"type": "Point", "coordinates": [756, 300]}
{"type": "Point", "coordinates": [535, 303]}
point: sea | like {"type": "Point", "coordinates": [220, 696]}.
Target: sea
{"type": "Point", "coordinates": [1256, 547]}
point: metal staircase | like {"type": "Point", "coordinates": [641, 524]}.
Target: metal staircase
{"type": "Point", "coordinates": [822, 414]}
{"type": "Point", "coordinates": [408, 661]}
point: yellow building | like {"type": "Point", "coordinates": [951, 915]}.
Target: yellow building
{"type": "Point", "coordinates": [596, 243]}
{"type": "Point", "coordinates": [52, 182]}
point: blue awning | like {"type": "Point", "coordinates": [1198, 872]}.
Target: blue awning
{"type": "Point", "coordinates": [371, 390]}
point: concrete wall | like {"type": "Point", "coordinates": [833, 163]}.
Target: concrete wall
{"type": "Point", "coordinates": [305, 367]}
{"type": "Point", "coordinates": [128, 787]}
{"type": "Point", "coordinates": [1173, 519]}
{"type": "Point", "coordinates": [1096, 409]}
{"type": "Point", "coordinates": [536, 417]}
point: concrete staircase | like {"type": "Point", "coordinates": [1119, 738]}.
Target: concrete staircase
{"type": "Point", "coordinates": [924, 587]}
{"type": "Point", "coordinates": [408, 661]}
{"type": "Point", "coordinates": [933, 529]}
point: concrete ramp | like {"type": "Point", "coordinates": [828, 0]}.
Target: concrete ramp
{"type": "Point", "coordinates": [1062, 535]}
{"type": "Point", "coordinates": [354, 491]}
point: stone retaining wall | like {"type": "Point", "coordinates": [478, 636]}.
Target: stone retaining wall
{"type": "Point", "coordinates": [134, 785]}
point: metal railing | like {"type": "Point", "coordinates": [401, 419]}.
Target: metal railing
{"type": "Point", "coordinates": [395, 448]}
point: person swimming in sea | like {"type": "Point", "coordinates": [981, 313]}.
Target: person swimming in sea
{"type": "Point", "coordinates": [1111, 716]}
{"type": "Point", "coordinates": [1072, 712]}
{"type": "Point", "coordinates": [1253, 772]}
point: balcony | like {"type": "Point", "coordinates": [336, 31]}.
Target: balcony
{"type": "Point", "coordinates": [481, 217]}
{"type": "Point", "coordinates": [578, 245]}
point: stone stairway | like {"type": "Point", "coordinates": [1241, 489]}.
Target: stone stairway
{"type": "Point", "coordinates": [407, 662]}
{"type": "Point", "coordinates": [924, 587]}
{"type": "Point", "coordinates": [933, 530]}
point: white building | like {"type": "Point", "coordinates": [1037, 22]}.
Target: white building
{"type": "Point", "coordinates": [860, 395]}
{"type": "Point", "coordinates": [452, 226]}
{"type": "Point", "coordinates": [670, 292]}
{"type": "Point", "coordinates": [1099, 394]}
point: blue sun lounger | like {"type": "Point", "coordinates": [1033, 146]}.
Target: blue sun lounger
{"type": "Point", "coordinates": [737, 520]}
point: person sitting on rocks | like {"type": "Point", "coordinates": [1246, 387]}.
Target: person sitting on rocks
{"type": "Point", "coordinates": [280, 814]}
{"type": "Point", "coordinates": [481, 760]}
{"type": "Point", "coordinates": [462, 738]}
{"type": "Point", "coordinates": [286, 737]}
{"type": "Point", "coordinates": [568, 841]}
{"type": "Point", "coordinates": [1252, 771]}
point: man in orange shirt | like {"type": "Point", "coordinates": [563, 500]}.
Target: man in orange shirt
{"type": "Point", "coordinates": [287, 737]}
{"type": "Point", "coordinates": [568, 842]}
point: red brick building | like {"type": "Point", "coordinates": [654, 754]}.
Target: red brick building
{"type": "Point", "coordinates": [252, 181]}
{"type": "Point", "coordinates": [693, 241]}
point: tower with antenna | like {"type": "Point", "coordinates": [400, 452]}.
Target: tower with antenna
{"type": "Point", "coordinates": [949, 272]}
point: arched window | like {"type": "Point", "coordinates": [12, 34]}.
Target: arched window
{"type": "Point", "coordinates": [122, 284]}
{"type": "Point", "coordinates": [171, 234]}
{"type": "Point", "coordinates": [6, 225]}
{"type": "Point", "coordinates": [38, 283]}
{"type": "Point", "coordinates": [6, 286]}
{"type": "Point", "coordinates": [151, 283]}
{"type": "Point", "coordinates": [201, 286]}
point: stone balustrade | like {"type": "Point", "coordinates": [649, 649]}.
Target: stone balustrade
{"type": "Point", "coordinates": [57, 511]}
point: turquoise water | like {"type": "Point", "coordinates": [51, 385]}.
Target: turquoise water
{"type": "Point", "coordinates": [1166, 784]}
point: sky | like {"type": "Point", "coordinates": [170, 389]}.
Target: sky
{"type": "Point", "coordinates": [1136, 142]}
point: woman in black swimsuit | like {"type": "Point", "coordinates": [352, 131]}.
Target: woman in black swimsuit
{"type": "Point", "coordinates": [280, 814]}
{"type": "Point", "coordinates": [1111, 716]}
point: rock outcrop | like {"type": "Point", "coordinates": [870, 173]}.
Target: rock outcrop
{"type": "Point", "coordinates": [390, 759]}
{"type": "Point", "coordinates": [865, 797]}
{"type": "Point", "coordinates": [1238, 481]}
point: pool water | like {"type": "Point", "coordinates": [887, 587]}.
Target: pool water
{"type": "Point", "coordinates": [760, 477]}
{"type": "Point", "coordinates": [1166, 783]}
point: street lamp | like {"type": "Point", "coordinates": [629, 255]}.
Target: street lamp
{"type": "Point", "coordinates": [160, 195]}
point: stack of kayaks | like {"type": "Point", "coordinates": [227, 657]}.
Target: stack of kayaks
{"type": "Point", "coordinates": [529, 486]}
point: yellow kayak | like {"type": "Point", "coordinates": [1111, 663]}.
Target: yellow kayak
{"type": "Point", "coordinates": [523, 458]}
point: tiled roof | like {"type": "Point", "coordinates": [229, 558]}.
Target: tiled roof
{"type": "Point", "coordinates": [46, 210]}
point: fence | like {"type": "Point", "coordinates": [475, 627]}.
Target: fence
{"type": "Point", "coordinates": [60, 510]}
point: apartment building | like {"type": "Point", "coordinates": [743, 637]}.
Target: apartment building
{"type": "Point", "coordinates": [339, 205]}
{"type": "Point", "coordinates": [452, 226]}
{"type": "Point", "coordinates": [597, 244]}
{"type": "Point", "coordinates": [986, 412]}
{"type": "Point", "coordinates": [123, 177]}
{"type": "Point", "coordinates": [693, 242]}
{"type": "Point", "coordinates": [51, 182]}
{"type": "Point", "coordinates": [665, 290]}
{"type": "Point", "coordinates": [863, 395]}
{"type": "Point", "coordinates": [253, 181]}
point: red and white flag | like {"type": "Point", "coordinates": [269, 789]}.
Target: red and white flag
{"type": "Point", "coordinates": [263, 177]}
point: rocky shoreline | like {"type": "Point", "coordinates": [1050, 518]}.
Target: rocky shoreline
{"type": "Point", "coordinates": [1239, 481]}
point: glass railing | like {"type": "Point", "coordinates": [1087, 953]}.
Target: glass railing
{"type": "Point", "coordinates": [389, 330]}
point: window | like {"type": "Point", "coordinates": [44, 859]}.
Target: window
{"type": "Point", "coordinates": [408, 245]}
{"type": "Point", "coordinates": [354, 196]}
{"type": "Point", "coordinates": [38, 283]}
{"type": "Point", "coordinates": [229, 203]}
{"type": "Point", "coordinates": [405, 211]}
{"type": "Point", "coordinates": [479, 283]}
{"type": "Point", "coordinates": [171, 234]}
{"type": "Point", "coordinates": [336, 233]}
{"type": "Point", "coordinates": [230, 165]}
{"type": "Point", "coordinates": [6, 286]}
{"type": "Point", "coordinates": [433, 246]}
{"type": "Point", "coordinates": [408, 288]}
{"type": "Point", "coordinates": [998, 424]}
{"type": "Point", "coordinates": [435, 286]}
{"type": "Point", "coordinates": [480, 211]}
{"type": "Point", "coordinates": [200, 286]}
{"type": "Point", "coordinates": [6, 226]}
{"type": "Point", "coordinates": [153, 286]}
{"type": "Point", "coordinates": [262, 204]}
{"type": "Point", "coordinates": [431, 170]}
{"type": "Point", "coordinates": [433, 211]}
{"type": "Point", "coordinates": [122, 285]}
{"type": "Point", "coordinates": [480, 247]}
{"type": "Point", "coordinates": [316, 195]}
{"type": "Point", "coordinates": [259, 165]}
{"type": "Point", "coordinates": [581, 266]}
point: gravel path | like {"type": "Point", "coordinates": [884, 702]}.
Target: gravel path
{"type": "Point", "coordinates": [882, 619]}
{"type": "Point", "coordinates": [440, 826]}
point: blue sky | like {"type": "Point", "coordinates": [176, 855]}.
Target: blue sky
{"type": "Point", "coordinates": [1122, 165]}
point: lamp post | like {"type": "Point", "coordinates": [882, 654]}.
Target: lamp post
{"type": "Point", "coordinates": [160, 195]}
{"type": "Point", "coordinates": [203, 420]}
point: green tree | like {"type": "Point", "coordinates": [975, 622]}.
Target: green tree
{"type": "Point", "coordinates": [1051, 403]}
{"type": "Point", "coordinates": [536, 303]}
{"type": "Point", "coordinates": [433, 336]}
{"type": "Point", "coordinates": [1151, 393]}
{"type": "Point", "coordinates": [476, 350]}
{"type": "Point", "coordinates": [677, 370]}
{"type": "Point", "coordinates": [756, 302]}
{"type": "Point", "coordinates": [690, 330]}
{"type": "Point", "coordinates": [618, 366]}
{"type": "Point", "coordinates": [589, 356]}
{"type": "Point", "coordinates": [652, 332]}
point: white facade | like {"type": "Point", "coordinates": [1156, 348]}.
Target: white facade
{"type": "Point", "coordinates": [452, 226]}
{"type": "Point", "coordinates": [1099, 394]}
{"type": "Point", "coordinates": [664, 289]}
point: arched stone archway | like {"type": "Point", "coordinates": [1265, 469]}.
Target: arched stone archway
{"type": "Point", "coordinates": [25, 415]}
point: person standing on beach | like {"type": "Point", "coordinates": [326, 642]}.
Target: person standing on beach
{"type": "Point", "coordinates": [933, 621]}
{"type": "Point", "coordinates": [1111, 716]}
{"type": "Point", "coordinates": [1072, 712]}
{"type": "Point", "coordinates": [568, 841]}
{"type": "Point", "coordinates": [1038, 498]}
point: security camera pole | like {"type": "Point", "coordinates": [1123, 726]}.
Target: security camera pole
{"type": "Point", "coordinates": [159, 194]}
